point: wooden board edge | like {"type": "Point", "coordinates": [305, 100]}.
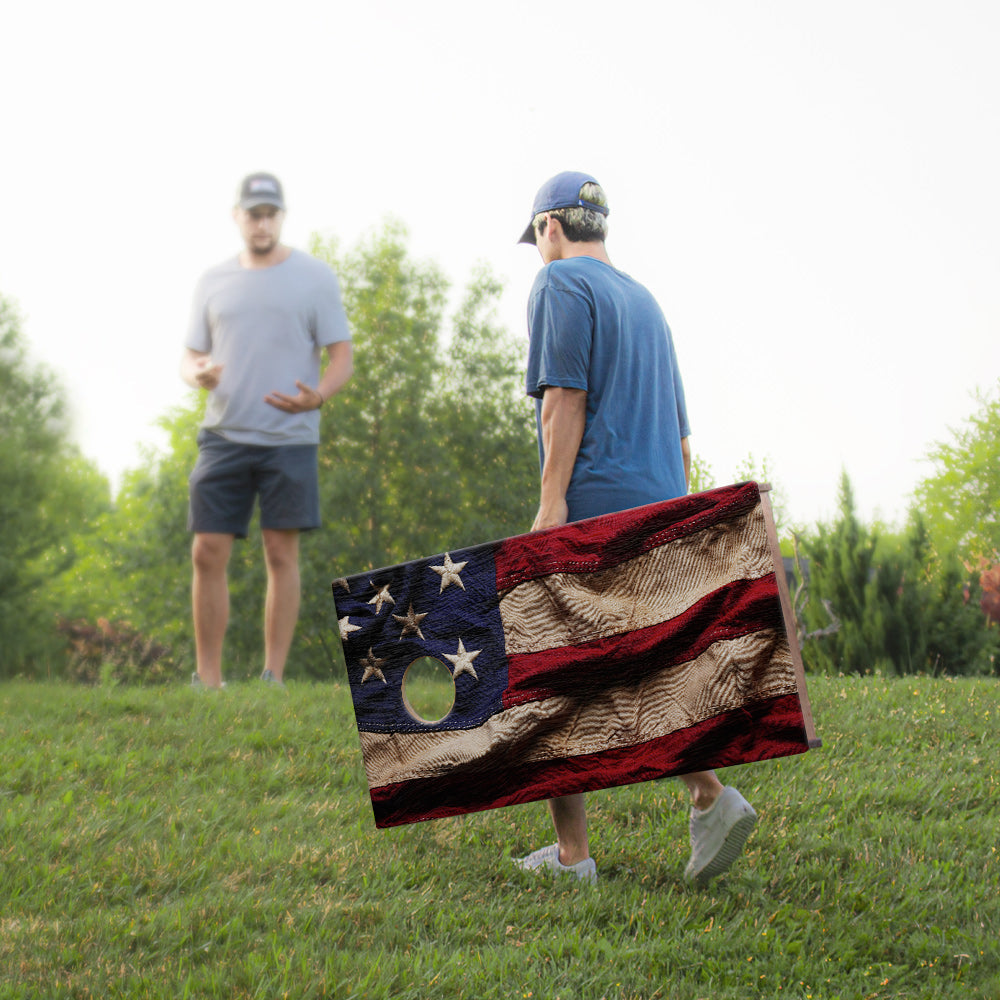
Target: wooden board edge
{"type": "Point", "coordinates": [789, 616]}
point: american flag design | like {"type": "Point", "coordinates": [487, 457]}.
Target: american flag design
{"type": "Point", "coordinates": [636, 645]}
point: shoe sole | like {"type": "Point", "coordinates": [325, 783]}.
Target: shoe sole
{"type": "Point", "coordinates": [731, 849]}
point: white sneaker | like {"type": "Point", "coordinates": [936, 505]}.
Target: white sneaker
{"type": "Point", "coordinates": [196, 682]}
{"type": "Point", "coordinates": [548, 857]}
{"type": "Point", "coordinates": [718, 835]}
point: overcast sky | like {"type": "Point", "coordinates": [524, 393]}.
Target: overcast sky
{"type": "Point", "coordinates": [810, 190]}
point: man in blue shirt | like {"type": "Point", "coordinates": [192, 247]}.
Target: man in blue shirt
{"type": "Point", "coordinates": [612, 434]}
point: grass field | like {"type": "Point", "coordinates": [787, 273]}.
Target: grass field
{"type": "Point", "coordinates": [171, 843]}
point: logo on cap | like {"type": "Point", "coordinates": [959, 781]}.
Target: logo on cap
{"type": "Point", "coordinates": [260, 189]}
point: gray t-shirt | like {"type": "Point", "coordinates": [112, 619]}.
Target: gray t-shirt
{"type": "Point", "coordinates": [266, 327]}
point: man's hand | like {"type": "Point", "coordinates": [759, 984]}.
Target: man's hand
{"type": "Point", "coordinates": [551, 515]}
{"type": "Point", "coordinates": [206, 373]}
{"type": "Point", "coordinates": [306, 399]}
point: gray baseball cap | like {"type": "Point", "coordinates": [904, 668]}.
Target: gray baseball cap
{"type": "Point", "coordinates": [261, 189]}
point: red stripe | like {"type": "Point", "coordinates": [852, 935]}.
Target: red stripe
{"type": "Point", "coordinates": [772, 728]}
{"type": "Point", "coordinates": [739, 608]}
{"type": "Point", "coordinates": [611, 539]}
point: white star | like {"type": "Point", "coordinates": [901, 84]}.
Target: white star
{"type": "Point", "coordinates": [449, 572]}
{"type": "Point", "coordinates": [346, 628]}
{"type": "Point", "coordinates": [341, 582]}
{"type": "Point", "coordinates": [411, 622]}
{"type": "Point", "coordinates": [381, 597]}
{"type": "Point", "coordinates": [463, 660]}
{"type": "Point", "coordinates": [373, 667]}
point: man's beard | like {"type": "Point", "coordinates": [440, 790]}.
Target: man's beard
{"type": "Point", "coordinates": [263, 249]}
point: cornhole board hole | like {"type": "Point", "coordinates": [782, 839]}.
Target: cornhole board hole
{"type": "Point", "coordinates": [643, 644]}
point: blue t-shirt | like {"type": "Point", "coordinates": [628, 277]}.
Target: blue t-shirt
{"type": "Point", "coordinates": [594, 328]}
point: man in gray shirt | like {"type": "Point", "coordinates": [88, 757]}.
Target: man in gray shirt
{"type": "Point", "coordinates": [258, 326]}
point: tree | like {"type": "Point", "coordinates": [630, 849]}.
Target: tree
{"type": "Point", "coordinates": [961, 500]}
{"type": "Point", "coordinates": [486, 416]}
{"type": "Point", "coordinates": [49, 490]}
{"type": "Point", "coordinates": [702, 476]}
{"type": "Point", "coordinates": [428, 447]}
{"type": "Point", "coordinates": [749, 471]}
{"type": "Point", "coordinates": [134, 566]}
{"type": "Point", "coordinates": [899, 609]}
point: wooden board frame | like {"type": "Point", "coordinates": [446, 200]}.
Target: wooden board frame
{"type": "Point", "coordinates": [789, 615]}
{"type": "Point", "coordinates": [418, 769]}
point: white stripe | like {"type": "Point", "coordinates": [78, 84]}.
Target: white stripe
{"type": "Point", "coordinates": [730, 674]}
{"type": "Point", "coordinates": [566, 609]}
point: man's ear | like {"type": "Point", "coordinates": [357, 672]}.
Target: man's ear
{"type": "Point", "coordinates": [553, 230]}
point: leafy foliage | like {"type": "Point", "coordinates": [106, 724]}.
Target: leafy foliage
{"type": "Point", "coordinates": [49, 491]}
{"type": "Point", "coordinates": [989, 582]}
{"type": "Point", "coordinates": [114, 652]}
{"type": "Point", "coordinates": [900, 609]}
{"type": "Point", "coordinates": [135, 567]}
{"type": "Point", "coordinates": [751, 471]}
{"type": "Point", "coordinates": [961, 501]}
{"type": "Point", "coordinates": [428, 446]}
{"type": "Point", "coordinates": [702, 476]}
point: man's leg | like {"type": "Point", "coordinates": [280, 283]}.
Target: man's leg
{"type": "Point", "coordinates": [570, 855]}
{"type": "Point", "coordinates": [210, 602]}
{"type": "Point", "coordinates": [569, 817]}
{"type": "Point", "coordinates": [281, 612]}
{"type": "Point", "coordinates": [704, 788]}
{"type": "Point", "coordinates": [569, 814]}
{"type": "Point", "coordinates": [721, 820]}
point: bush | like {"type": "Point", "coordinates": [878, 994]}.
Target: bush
{"type": "Point", "coordinates": [115, 652]}
{"type": "Point", "coordinates": [902, 607]}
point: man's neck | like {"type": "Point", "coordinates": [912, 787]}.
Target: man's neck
{"type": "Point", "coordinates": [257, 261]}
{"type": "Point", "coordinates": [592, 248]}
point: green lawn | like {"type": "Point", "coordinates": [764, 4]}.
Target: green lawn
{"type": "Point", "coordinates": [173, 843]}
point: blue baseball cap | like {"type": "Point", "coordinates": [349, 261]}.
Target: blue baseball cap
{"type": "Point", "coordinates": [561, 191]}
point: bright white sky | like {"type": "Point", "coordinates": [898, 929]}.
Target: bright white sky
{"type": "Point", "coordinates": [812, 191]}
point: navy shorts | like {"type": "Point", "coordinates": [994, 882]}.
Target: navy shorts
{"type": "Point", "coordinates": [229, 476]}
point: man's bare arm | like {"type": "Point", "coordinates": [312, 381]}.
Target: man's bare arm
{"type": "Point", "coordinates": [338, 370]}
{"type": "Point", "coordinates": [340, 367]}
{"type": "Point", "coordinates": [564, 416]}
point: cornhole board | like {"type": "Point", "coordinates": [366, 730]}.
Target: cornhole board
{"type": "Point", "coordinates": [638, 645]}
